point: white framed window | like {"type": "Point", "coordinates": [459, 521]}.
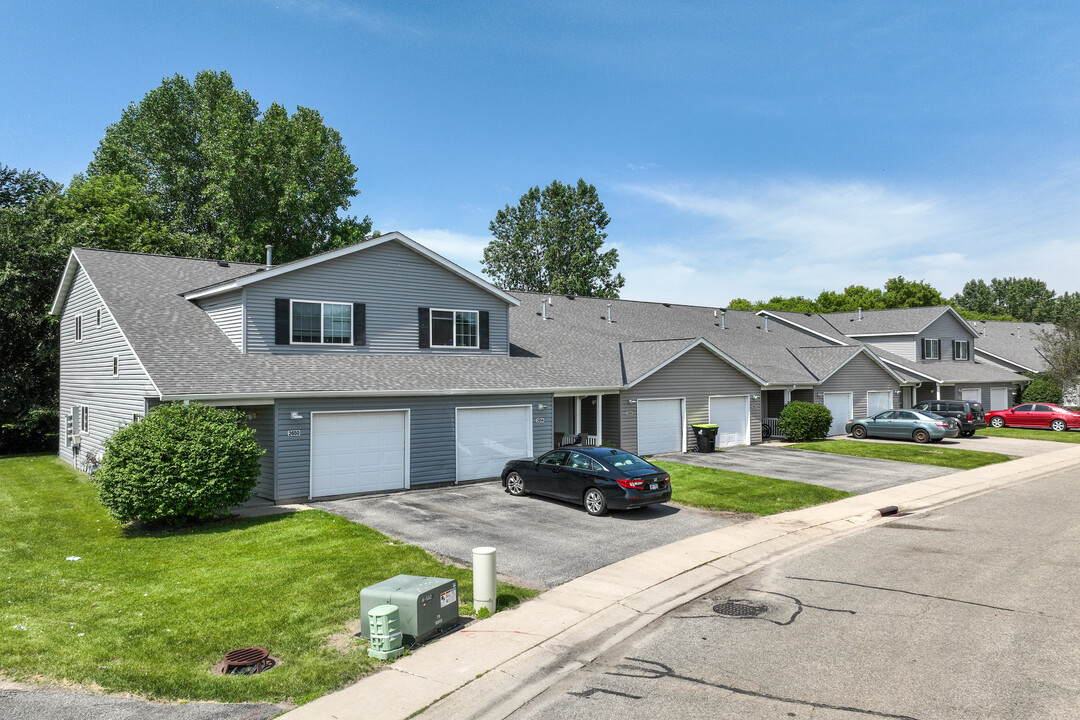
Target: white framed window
{"type": "Point", "coordinates": [313, 322]}
{"type": "Point", "coordinates": [68, 423]}
{"type": "Point", "coordinates": [960, 349]}
{"type": "Point", "coordinates": [78, 328]}
{"type": "Point", "coordinates": [84, 421]}
{"type": "Point", "coordinates": [931, 349]}
{"type": "Point", "coordinates": [116, 366]}
{"type": "Point", "coordinates": [455, 328]}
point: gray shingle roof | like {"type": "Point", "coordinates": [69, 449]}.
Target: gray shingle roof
{"type": "Point", "coordinates": [950, 373]}
{"type": "Point", "coordinates": [1016, 342]}
{"type": "Point", "coordinates": [885, 322]}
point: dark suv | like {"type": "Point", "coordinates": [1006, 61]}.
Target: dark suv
{"type": "Point", "coordinates": [968, 414]}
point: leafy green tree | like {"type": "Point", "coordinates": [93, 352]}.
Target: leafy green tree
{"type": "Point", "coordinates": [551, 242]}
{"type": "Point", "coordinates": [740, 304]}
{"type": "Point", "coordinates": [30, 266]}
{"type": "Point", "coordinates": [853, 298]}
{"type": "Point", "coordinates": [224, 178]}
{"type": "Point", "coordinates": [901, 293]}
{"type": "Point", "coordinates": [1061, 348]}
{"type": "Point", "coordinates": [797, 303]}
{"type": "Point", "coordinates": [1025, 298]}
{"type": "Point", "coordinates": [976, 297]}
{"type": "Point", "coordinates": [1067, 306]}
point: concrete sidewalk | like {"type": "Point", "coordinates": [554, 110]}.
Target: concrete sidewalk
{"type": "Point", "coordinates": [494, 666]}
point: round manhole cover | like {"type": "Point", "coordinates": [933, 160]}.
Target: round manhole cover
{"type": "Point", "coordinates": [740, 608]}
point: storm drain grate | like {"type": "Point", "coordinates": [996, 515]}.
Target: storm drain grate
{"type": "Point", "coordinates": [740, 608]}
{"type": "Point", "coordinates": [246, 661]}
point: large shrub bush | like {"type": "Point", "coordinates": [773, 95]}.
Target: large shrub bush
{"type": "Point", "coordinates": [802, 421]}
{"type": "Point", "coordinates": [1041, 389]}
{"type": "Point", "coordinates": [179, 463]}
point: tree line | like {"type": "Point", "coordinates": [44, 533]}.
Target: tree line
{"type": "Point", "coordinates": [1010, 299]}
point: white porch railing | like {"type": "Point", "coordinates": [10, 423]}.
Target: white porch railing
{"type": "Point", "coordinates": [774, 427]}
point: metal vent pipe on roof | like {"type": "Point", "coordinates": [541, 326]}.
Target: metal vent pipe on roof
{"type": "Point", "coordinates": [609, 313]}
{"type": "Point", "coordinates": [860, 313]}
{"type": "Point", "coordinates": [543, 308]}
{"type": "Point", "coordinates": [723, 319]}
{"type": "Point", "coordinates": [766, 323]}
{"type": "Point", "coordinates": [269, 256]}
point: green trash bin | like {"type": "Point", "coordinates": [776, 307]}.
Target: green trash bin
{"type": "Point", "coordinates": [706, 437]}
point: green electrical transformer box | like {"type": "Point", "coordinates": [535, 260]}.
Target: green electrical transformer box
{"type": "Point", "coordinates": [426, 605]}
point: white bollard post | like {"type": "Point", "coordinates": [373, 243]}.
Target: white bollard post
{"type": "Point", "coordinates": [485, 587]}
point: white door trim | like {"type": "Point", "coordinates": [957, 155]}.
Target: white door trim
{"type": "Point", "coordinates": [528, 429]}
{"type": "Point", "coordinates": [749, 433]}
{"type": "Point", "coordinates": [311, 439]}
{"type": "Point", "coordinates": [682, 405]}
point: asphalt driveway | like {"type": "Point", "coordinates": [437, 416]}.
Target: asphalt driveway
{"type": "Point", "coordinates": [540, 543]}
{"type": "Point", "coordinates": [840, 472]}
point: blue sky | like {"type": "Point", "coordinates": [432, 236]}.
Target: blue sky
{"type": "Point", "coordinates": [741, 149]}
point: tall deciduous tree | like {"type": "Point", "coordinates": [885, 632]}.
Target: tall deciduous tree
{"type": "Point", "coordinates": [901, 293]}
{"type": "Point", "coordinates": [225, 178]}
{"type": "Point", "coordinates": [551, 242]}
{"type": "Point", "coordinates": [1061, 347]}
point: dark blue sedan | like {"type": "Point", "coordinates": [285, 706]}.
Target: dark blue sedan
{"type": "Point", "coordinates": [598, 478]}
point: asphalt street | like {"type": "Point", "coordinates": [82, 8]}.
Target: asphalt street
{"type": "Point", "coordinates": [21, 703]}
{"type": "Point", "coordinates": [540, 542]}
{"type": "Point", "coordinates": [966, 611]}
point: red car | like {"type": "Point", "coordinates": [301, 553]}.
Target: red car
{"type": "Point", "coordinates": [1035, 415]}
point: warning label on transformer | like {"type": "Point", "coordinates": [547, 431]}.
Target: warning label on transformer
{"type": "Point", "coordinates": [449, 597]}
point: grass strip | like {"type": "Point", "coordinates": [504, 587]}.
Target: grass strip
{"type": "Point", "coordinates": [1069, 436]}
{"type": "Point", "coordinates": [715, 489]}
{"type": "Point", "coordinates": [906, 452]}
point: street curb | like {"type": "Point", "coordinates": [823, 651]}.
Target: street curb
{"type": "Point", "coordinates": [496, 665]}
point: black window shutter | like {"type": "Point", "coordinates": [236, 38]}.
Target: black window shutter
{"type": "Point", "coordinates": [924, 348]}
{"type": "Point", "coordinates": [423, 315]}
{"type": "Point", "coordinates": [485, 332]}
{"type": "Point", "coordinates": [281, 321]}
{"type": "Point", "coordinates": [359, 324]}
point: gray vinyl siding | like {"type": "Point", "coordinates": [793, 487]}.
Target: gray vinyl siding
{"type": "Point", "coordinates": [858, 377]}
{"type": "Point", "coordinates": [946, 329]}
{"type": "Point", "coordinates": [612, 416]}
{"type": "Point", "coordinates": [696, 376]}
{"type": "Point", "coordinates": [957, 392]}
{"type": "Point", "coordinates": [902, 346]}
{"type": "Point", "coordinates": [928, 391]}
{"type": "Point", "coordinates": [86, 377]}
{"type": "Point", "coordinates": [263, 424]}
{"type": "Point", "coordinates": [392, 281]}
{"type": "Point", "coordinates": [227, 312]}
{"type": "Point", "coordinates": [432, 450]}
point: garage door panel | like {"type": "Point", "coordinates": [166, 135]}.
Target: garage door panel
{"type": "Point", "coordinates": [660, 426]}
{"type": "Point", "coordinates": [731, 415]}
{"type": "Point", "coordinates": [488, 437]}
{"type": "Point", "coordinates": [839, 404]}
{"type": "Point", "coordinates": [999, 398]}
{"type": "Point", "coordinates": [356, 452]}
{"type": "Point", "coordinates": [878, 401]}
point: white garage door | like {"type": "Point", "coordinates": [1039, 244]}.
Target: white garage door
{"type": "Point", "coordinates": [488, 437]}
{"type": "Point", "coordinates": [839, 405]}
{"type": "Point", "coordinates": [660, 426]}
{"type": "Point", "coordinates": [971, 394]}
{"type": "Point", "coordinates": [731, 415]}
{"type": "Point", "coordinates": [878, 401]}
{"type": "Point", "coordinates": [999, 398]}
{"type": "Point", "coordinates": [355, 452]}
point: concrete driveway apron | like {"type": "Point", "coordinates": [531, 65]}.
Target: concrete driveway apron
{"type": "Point", "coordinates": [840, 472]}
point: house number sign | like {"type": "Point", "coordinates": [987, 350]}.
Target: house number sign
{"type": "Point", "coordinates": [538, 420]}
{"type": "Point", "coordinates": [294, 433]}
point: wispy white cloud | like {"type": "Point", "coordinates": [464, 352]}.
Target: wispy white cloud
{"type": "Point", "coordinates": [346, 11]}
{"type": "Point", "coordinates": [798, 238]}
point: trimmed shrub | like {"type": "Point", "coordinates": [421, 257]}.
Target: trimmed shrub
{"type": "Point", "coordinates": [802, 421]}
{"type": "Point", "coordinates": [1041, 389]}
{"type": "Point", "coordinates": [179, 463]}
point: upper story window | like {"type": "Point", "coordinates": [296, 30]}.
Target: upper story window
{"type": "Point", "coordinates": [960, 349]}
{"type": "Point", "coordinates": [455, 328]}
{"type": "Point", "coordinates": [78, 328]}
{"type": "Point", "coordinates": [931, 349]}
{"type": "Point", "coordinates": [327, 323]}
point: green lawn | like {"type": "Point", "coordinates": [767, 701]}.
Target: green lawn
{"type": "Point", "coordinates": [148, 612]}
{"type": "Point", "coordinates": [906, 452]}
{"type": "Point", "coordinates": [716, 489]}
{"type": "Point", "coordinates": [1069, 436]}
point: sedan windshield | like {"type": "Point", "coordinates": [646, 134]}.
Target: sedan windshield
{"type": "Point", "coordinates": [625, 461]}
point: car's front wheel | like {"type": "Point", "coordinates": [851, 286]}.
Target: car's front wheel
{"type": "Point", "coordinates": [997, 421]}
{"type": "Point", "coordinates": [515, 484]}
{"type": "Point", "coordinates": [595, 503]}
{"type": "Point", "coordinates": [1059, 425]}
{"type": "Point", "coordinates": [858, 432]}
{"type": "Point", "coordinates": [921, 436]}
